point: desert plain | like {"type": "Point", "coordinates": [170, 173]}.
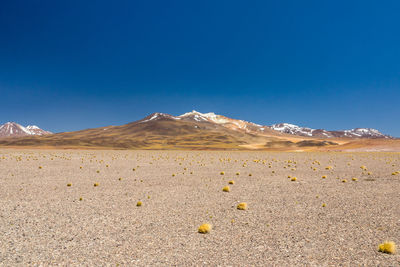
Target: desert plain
{"type": "Point", "coordinates": [79, 207]}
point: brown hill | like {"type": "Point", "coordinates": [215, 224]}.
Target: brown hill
{"type": "Point", "coordinates": [162, 133]}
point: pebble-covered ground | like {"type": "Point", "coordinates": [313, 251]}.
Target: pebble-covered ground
{"type": "Point", "coordinates": [76, 207]}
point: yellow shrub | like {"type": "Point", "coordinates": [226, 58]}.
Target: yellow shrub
{"type": "Point", "coordinates": [354, 179]}
{"type": "Point", "coordinates": [139, 203]}
{"type": "Point", "coordinates": [387, 247]}
{"type": "Point", "coordinates": [323, 176]}
{"type": "Point", "coordinates": [205, 228]}
{"type": "Point", "coordinates": [293, 179]}
{"type": "Point", "coordinates": [226, 189]}
{"type": "Point", "coordinates": [96, 184]}
{"type": "Point", "coordinates": [242, 206]}
{"type": "Point", "coordinates": [231, 182]}
{"type": "Point", "coordinates": [69, 184]}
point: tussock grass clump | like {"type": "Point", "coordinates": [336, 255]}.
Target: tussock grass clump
{"type": "Point", "coordinates": [80, 199]}
{"type": "Point", "coordinates": [96, 184]}
{"type": "Point", "coordinates": [323, 176]}
{"type": "Point", "coordinates": [237, 173]}
{"type": "Point", "coordinates": [344, 181]}
{"type": "Point", "coordinates": [226, 189]}
{"type": "Point", "coordinates": [139, 203]}
{"type": "Point", "coordinates": [231, 182]}
{"type": "Point", "coordinates": [323, 205]}
{"type": "Point", "coordinates": [293, 179]}
{"type": "Point", "coordinates": [242, 206]}
{"type": "Point", "coordinates": [69, 184]}
{"type": "Point", "coordinates": [328, 168]}
{"type": "Point", "coordinates": [388, 247]}
{"type": "Point", "coordinates": [222, 173]}
{"type": "Point", "coordinates": [354, 179]}
{"type": "Point", "coordinates": [40, 167]}
{"type": "Point", "coordinates": [205, 228]}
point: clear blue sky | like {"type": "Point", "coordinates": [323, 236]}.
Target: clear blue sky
{"type": "Point", "coordinates": [69, 65]}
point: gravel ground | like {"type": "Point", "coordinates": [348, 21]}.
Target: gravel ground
{"type": "Point", "coordinates": [44, 222]}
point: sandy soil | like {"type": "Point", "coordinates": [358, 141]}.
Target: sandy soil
{"type": "Point", "coordinates": [44, 222]}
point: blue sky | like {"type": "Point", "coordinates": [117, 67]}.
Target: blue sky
{"type": "Point", "coordinates": [70, 65]}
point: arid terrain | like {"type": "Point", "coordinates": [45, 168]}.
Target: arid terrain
{"type": "Point", "coordinates": [51, 212]}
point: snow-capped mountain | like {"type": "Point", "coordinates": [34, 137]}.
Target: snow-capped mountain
{"type": "Point", "coordinates": [13, 129]}
{"type": "Point", "coordinates": [157, 116]}
{"type": "Point", "coordinates": [225, 121]}
{"type": "Point", "coordinates": [281, 127]}
{"type": "Point", "coordinates": [195, 130]}
{"type": "Point", "coordinates": [292, 129]}
{"type": "Point", "coordinates": [321, 133]}
{"type": "Point", "coordinates": [253, 128]}
{"type": "Point", "coordinates": [208, 117]}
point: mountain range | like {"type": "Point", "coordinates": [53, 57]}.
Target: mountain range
{"type": "Point", "coordinates": [13, 129]}
{"type": "Point", "coordinates": [192, 130]}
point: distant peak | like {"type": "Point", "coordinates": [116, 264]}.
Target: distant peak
{"type": "Point", "coordinates": [15, 129]}
{"type": "Point", "coordinates": [194, 112]}
{"type": "Point", "coordinates": [31, 127]}
{"type": "Point", "coordinates": [157, 116]}
{"type": "Point", "coordinates": [11, 123]}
